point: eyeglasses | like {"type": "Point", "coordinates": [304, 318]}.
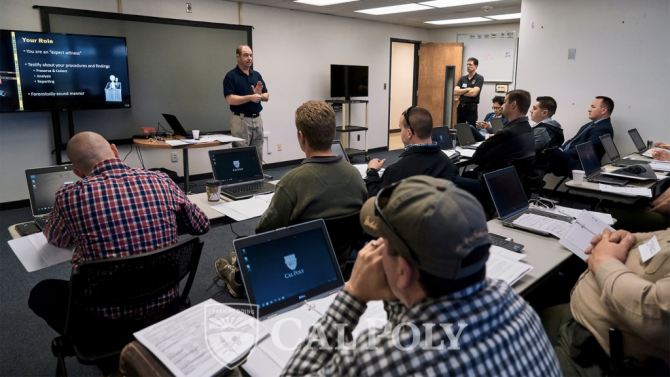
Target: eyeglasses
{"type": "Point", "coordinates": [383, 196]}
{"type": "Point", "coordinates": [406, 115]}
{"type": "Point", "coordinates": [497, 108]}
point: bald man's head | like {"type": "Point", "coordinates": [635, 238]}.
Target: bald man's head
{"type": "Point", "coordinates": [86, 149]}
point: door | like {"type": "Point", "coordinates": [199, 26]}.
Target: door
{"type": "Point", "coordinates": [433, 60]}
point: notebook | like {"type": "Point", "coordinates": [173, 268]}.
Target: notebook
{"type": "Point", "coordinates": [441, 136]}
{"type": "Point", "coordinates": [175, 125]}
{"type": "Point", "coordinates": [511, 203]}
{"type": "Point", "coordinates": [43, 183]}
{"type": "Point", "coordinates": [613, 152]}
{"type": "Point", "coordinates": [591, 166]}
{"type": "Point", "coordinates": [338, 150]}
{"type": "Point", "coordinates": [465, 137]}
{"type": "Point", "coordinates": [282, 269]}
{"type": "Point", "coordinates": [240, 172]}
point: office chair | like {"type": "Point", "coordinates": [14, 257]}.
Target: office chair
{"type": "Point", "coordinates": [344, 232]}
{"type": "Point", "coordinates": [631, 367]}
{"type": "Point", "coordinates": [118, 282]}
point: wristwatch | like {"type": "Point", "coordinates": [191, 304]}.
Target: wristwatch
{"type": "Point", "coordinates": [372, 171]}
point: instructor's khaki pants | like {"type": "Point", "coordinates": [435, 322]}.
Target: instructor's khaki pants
{"type": "Point", "coordinates": [249, 129]}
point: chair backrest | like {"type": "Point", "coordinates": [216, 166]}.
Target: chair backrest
{"type": "Point", "coordinates": [131, 280]}
{"type": "Point", "coordinates": [344, 231]}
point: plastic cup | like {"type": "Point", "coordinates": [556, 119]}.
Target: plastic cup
{"type": "Point", "coordinates": [196, 134]}
{"type": "Point", "coordinates": [578, 176]}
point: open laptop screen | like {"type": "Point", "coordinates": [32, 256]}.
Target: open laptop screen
{"type": "Point", "coordinates": [637, 140]}
{"type": "Point", "coordinates": [338, 150]}
{"type": "Point", "coordinates": [175, 125]}
{"type": "Point", "coordinates": [506, 191]}
{"type": "Point", "coordinates": [610, 147]}
{"type": "Point", "coordinates": [287, 266]}
{"type": "Point", "coordinates": [236, 165]}
{"type": "Point", "coordinates": [441, 136]}
{"type": "Point", "coordinates": [43, 183]}
{"type": "Point", "coordinates": [588, 158]}
{"type": "Point", "coordinates": [464, 133]}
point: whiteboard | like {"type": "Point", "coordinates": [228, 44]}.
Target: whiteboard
{"type": "Point", "coordinates": [496, 53]}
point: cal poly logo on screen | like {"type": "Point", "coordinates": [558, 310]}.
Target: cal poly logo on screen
{"type": "Point", "coordinates": [236, 164]}
{"type": "Point", "coordinates": [290, 261]}
{"type": "Point", "coordinates": [231, 330]}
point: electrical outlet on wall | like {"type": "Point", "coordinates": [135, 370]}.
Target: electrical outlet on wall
{"type": "Point", "coordinates": [175, 157]}
{"type": "Point", "coordinates": [189, 8]}
{"type": "Point", "coordinates": [279, 147]}
{"type": "Point", "coordinates": [358, 137]}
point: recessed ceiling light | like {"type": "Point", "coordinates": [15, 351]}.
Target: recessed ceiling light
{"type": "Point", "coordinates": [458, 21]}
{"type": "Point", "coordinates": [510, 16]}
{"type": "Point", "coordinates": [320, 3]}
{"type": "Point", "coordinates": [394, 9]}
{"type": "Point", "coordinates": [453, 3]}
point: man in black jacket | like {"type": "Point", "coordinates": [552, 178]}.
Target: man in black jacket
{"type": "Point", "coordinates": [514, 145]}
{"type": "Point", "coordinates": [421, 156]}
{"type": "Point", "coordinates": [564, 160]}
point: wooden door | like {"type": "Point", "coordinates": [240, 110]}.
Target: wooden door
{"type": "Point", "coordinates": [433, 59]}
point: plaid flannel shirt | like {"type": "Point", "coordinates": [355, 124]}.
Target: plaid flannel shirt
{"type": "Point", "coordinates": [501, 336]}
{"type": "Point", "coordinates": [119, 211]}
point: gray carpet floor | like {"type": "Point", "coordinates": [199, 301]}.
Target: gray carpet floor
{"type": "Point", "coordinates": [25, 339]}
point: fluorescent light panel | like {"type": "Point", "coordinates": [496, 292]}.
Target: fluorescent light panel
{"type": "Point", "coordinates": [394, 9]}
{"type": "Point", "coordinates": [510, 16]}
{"type": "Point", "coordinates": [321, 3]}
{"type": "Point", "coordinates": [458, 21]}
{"type": "Point", "coordinates": [453, 3]}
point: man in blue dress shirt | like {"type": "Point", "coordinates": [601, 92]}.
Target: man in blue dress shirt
{"type": "Point", "coordinates": [244, 89]}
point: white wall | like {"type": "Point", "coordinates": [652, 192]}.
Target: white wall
{"type": "Point", "coordinates": [449, 35]}
{"type": "Point", "coordinates": [623, 50]}
{"type": "Point", "coordinates": [402, 78]}
{"type": "Point", "coordinates": [293, 50]}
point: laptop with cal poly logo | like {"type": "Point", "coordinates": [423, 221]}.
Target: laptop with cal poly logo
{"type": "Point", "coordinates": [240, 172]}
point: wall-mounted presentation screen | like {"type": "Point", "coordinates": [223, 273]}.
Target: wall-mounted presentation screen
{"type": "Point", "coordinates": [48, 71]}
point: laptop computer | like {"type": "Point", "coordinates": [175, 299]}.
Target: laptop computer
{"type": "Point", "coordinates": [497, 124]}
{"type": "Point", "coordinates": [441, 136]}
{"type": "Point", "coordinates": [175, 125]}
{"type": "Point", "coordinates": [43, 183]}
{"type": "Point", "coordinates": [591, 166]}
{"type": "Point", "coordinates": [240, 172]}
{"type": "Point", "coordinates": [465, 137]}
{"type": "Point", "coordinates": [511, 201]}
{"type": "Point", "coordinates": [338, 150]}
{"type": "Point", "coordinates": [613, 152]}
{"type": "Point", "coordinates": [637, 140]}
{"type": "Point", "coordinates": [284, 268]}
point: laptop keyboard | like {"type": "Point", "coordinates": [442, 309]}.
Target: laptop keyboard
{"type": "Point", "coordinates": [628, 163]}
{"type": "Point", "coordinates": [536, 212]}
{"type": "Point", "coordinates": [600, 177]}
{"type": "Point", "coordinates": [258, 186]}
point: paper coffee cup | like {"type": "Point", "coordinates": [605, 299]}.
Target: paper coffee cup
{"type": "Point", "coordinates": [196, 134]}
{"type": "Point", "coordinates": [578, 176]}
{"type": "Point", "coordinates": [213, 190]}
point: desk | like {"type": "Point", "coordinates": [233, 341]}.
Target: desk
{"type": "Point", "coordinates": [147, 143]}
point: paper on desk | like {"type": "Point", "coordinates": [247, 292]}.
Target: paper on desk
{"type": "Point", "coordinates": [202, 340]}
{"type": "Point", "coordinates": [506, 253]}
{"type": "Point", "coordinates": [660, 165]}
{"type": "Point", "coordinates": [245, 209]}
{"type": "Point", "coordinates": [363, 169]}
{"type": "Point", "coordinates": [578, 238]}
{"type": "Point", "coordinates": [178, 143]}
{"type": "Point", "coordinates": [639, 191]}
{"type": "Point", "coordinates": [451, 153]}
{"type": "Point", "coordinates": [605, 217]}
{"type": "Point", "coordinates": [546, 224]}
{"type": "Point", "coordinates": [507, 270]}
{"type": "Point", "coordinates": [35, 253]}
{"type": "Point", "coordinates": [220, 138]}
{"type": "Point", "coordinates": [467, 152]}
{"type": "Point", "coordinates": [649, 152]}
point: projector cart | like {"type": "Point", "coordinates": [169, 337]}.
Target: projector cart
{"type": "Point", "coordinates": [347, 128]}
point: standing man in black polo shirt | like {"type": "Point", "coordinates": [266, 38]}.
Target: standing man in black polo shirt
{"type": "Point", "coordinates": [244, 90]}
{"type": "Point", "coordinates": [468, 88]}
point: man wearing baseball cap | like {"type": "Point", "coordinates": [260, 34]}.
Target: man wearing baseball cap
{"type": "Point", "coordinates": [444, 316]}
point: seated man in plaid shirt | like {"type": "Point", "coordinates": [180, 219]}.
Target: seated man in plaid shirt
{"type": "Point", "coordinates": [444, 316]}
{"type": "Point", "coordinates": [113, 211]}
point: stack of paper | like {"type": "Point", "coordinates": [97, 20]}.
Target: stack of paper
{"type": "Point", "coordinates": [545, 224]}
{"type": "Point", "coordinates": [639, 191]}
{"type": "Point", "coordinates": [505, 265]}
{"type": "Point", "coordinates": [35, 253]}
{"type": "Point", "coordinates": [240, 210]}
{"type": "Point", "coordinates": [204, 339]}
{"type": "Point", "coordinates": [578, 238]}
{"type": "Point", "coordinates": [660, 165]}
{"type": "Point", "coordinates": [605, 217]}
{"type": "Point", "coordinates": [220, 138]}
{"type": "Point", "coordinates": [451, 153]}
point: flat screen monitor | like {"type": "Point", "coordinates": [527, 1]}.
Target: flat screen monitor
{"type": "Point", "coordinates": [50, 71]}
{"type": "Point", "coordinates": [348, 81]}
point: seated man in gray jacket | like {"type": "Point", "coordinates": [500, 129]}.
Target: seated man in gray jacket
{"type": "Point", "coordinates": [548, 132]}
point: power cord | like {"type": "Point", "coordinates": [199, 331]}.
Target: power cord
{"type": "Point", "coordinates": [129, 152]}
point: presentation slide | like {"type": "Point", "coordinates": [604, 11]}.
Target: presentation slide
{"type": "Point", "coordinates": [46, 71]}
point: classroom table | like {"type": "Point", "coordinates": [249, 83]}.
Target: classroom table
{"type": "Point", "coordinates": [158, 144]}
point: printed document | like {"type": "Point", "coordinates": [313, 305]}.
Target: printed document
{"type": "Point", "coordinates": [578, 238]}
{"type": "Point", "coordinates": [35, 253]}
{"type": "Point", "coordinates": [245, 209]}
{"type": "Point", "coordinates": [467, 152]}
{"type": "Point", "coordinates": [639, 191]}
{"type": "Point", "coordinates": [605, 217]}
{"type": "Point", "coordinates": [507, 270]}
{"type": "Point", "coordinates": [545, 224]}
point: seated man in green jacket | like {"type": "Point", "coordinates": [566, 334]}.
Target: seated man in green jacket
{"type": "Point", "coordinates": [322, 186]}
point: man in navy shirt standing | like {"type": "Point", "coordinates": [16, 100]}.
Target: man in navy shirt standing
{"type": "Point", "coordinates": [468, 88]}
{"type": "Point", "coordinates": [244, 89]}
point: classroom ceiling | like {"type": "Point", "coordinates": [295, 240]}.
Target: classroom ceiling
{"type": "Point", "coordinates": [415, 19]}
